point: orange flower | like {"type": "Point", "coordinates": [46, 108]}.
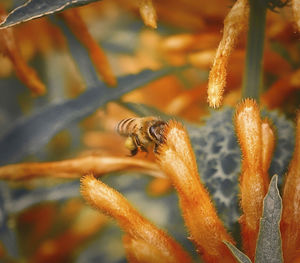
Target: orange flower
{"type": "Point", "coordinates": [177, 160]}
{"type": "Point", "coordinates": [296, 11]}
{"type": "Point", "coordinates": [290, 227]}
{"type": "Point", "coordinates": [137, 228]}
{"type": "Point", "coordinates": [234, 24]}
{"type": "Point", "coordinates": [256, 139]}
{"type": "Point", "coordinates": [148, 12]}
{"type": "Point", "coordinates": [76, 167]}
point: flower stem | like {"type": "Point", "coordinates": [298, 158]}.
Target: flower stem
{"type": "Point", "coordinates": [252, 81]}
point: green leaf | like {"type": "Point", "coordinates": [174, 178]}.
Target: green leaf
{"type": "Point", "coordinates": [239, 255]}
{"type": "Point", "coordinates": [37, 8]}
{"type": "Point", "coordinates": [268, 247]}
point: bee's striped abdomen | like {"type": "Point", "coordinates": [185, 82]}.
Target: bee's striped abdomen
{"type": "Point", "coordinates": [127, 126]}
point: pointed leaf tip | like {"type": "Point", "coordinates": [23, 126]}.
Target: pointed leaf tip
{"type": "Point", "coordinates": [33, 9]}
{"type": "Point", "coordinates": [268, 247]}
{"type": "Point", "coordinates": [239, 255]}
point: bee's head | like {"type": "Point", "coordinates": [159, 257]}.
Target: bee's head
{"type": "Point", "coordinates": [156, 131]}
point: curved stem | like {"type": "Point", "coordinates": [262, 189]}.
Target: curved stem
{"type": "Point", "coordinates": [252, 81]}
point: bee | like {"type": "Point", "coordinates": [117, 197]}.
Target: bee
{"type": "Point", "coordinates": [141, 133]}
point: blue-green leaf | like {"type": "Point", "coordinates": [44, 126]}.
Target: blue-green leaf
{"type": "Point", "coordinates": [268, 247]}
{"type": "Point", "coordinates": [37, 8]}
{"type": "Point", "coordinates": [29, 134]}
{"type": "Point", "coordinates": [239, 255]}
{"type": "Point", "coordinates": [8, 235]}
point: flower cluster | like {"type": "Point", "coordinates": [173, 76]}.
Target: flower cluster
{"type": "Point", "coordinates": [180, 68]}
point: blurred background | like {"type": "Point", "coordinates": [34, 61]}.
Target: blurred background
{"type": "Point", "coordinates": [66, 81]}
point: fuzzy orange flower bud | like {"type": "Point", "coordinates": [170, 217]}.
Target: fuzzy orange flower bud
{"type": "Point", "coordinates": [137, 251]}
{"type": "Point", "coordinates": [234, 24]}
{"type": "Point", "coordinates": [256, 159]}
{"type": "Point", "coordinates": [112, 203]}
{"type": "Point", "coordinates": [268, 145]}
{"type": "Point", "coordinates": [177, 160]}
{"type": "Point", "coordinates": [290, 228]}
{"type": "Point", "coordinates": [296, 11]}
{"type": "Point", "coordinates": [148, 13]}
{"type": "Point", "coordinates": [75, 167]}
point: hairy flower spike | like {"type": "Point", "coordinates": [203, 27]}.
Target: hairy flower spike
{"type": "Point", "coordinates": [137, 250]}
{"type": "Point", "coordinates": [250, 131]}
{"type": "Point", "coordinates": [76, 167]}
{"type": "Point", "coordinates": [268, 146]}
{"type": "Point", "coordinates": [248, 128]}
{"type": "Point", "coordinates": [177, 160]}
{"type": "Point", "coordinates": [112, 203]}
{"type": "Point", "coordinates": [290, 228]}
{"type": "Point", "coordinates": [234, 24]}
{"type": "Point", "coordinates": [296, 11]}
{"type": "Point", "coordinates": [148, 13]}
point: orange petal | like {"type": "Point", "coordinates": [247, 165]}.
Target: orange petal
{"type": "Point", "coordinates": [190, 42]}
{"type": "Point", "coordinates": [268, 145]}
{"type": "Point", "coordinates": [296, 11]}
{"type": "Point", "coordinates": [177, 160]}
{"type": "Point", "coordinates": [109, 201]}
{"type": "Point", "coordinates": [137, 250]}
{"type": "Point", "coordinates": [248, 127]}
{"type": "Point", "coordinates": [202, 59]}
{"type": "Point", "coordinates": [76, 167]}
{"type": "Point", "coordinates": [290, 228]}
{"type": "Point", "coordinates": [234, 24]}
{"type": "Point", "coordinates": [148, 13]}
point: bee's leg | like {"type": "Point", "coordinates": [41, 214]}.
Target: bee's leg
{"type": "Point", "coordinates": [138, 143]}
{"type": "Point", "coordinates": [133, 152]}
{"type": "Point", "coordinates": [155, 148]}
{"type": "Point", "coordinates": [143, 149]}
